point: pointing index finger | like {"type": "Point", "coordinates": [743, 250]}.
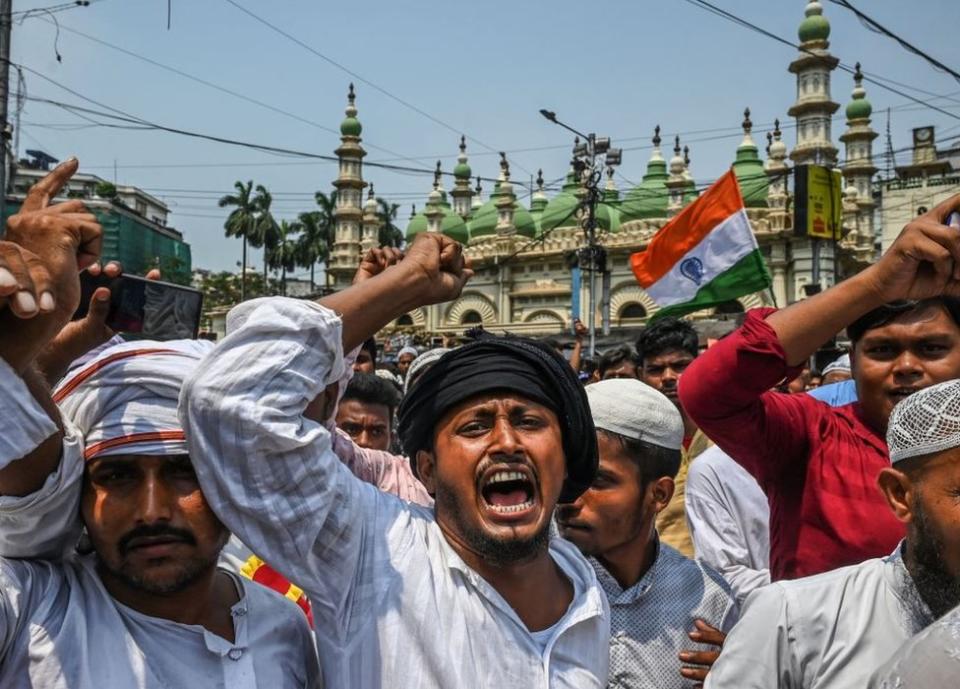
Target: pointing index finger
{"type": "Point", "coordinates": [47, 188]}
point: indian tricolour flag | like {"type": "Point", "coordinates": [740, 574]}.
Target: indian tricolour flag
{"type": "Point", "coordinates": [705, 256]}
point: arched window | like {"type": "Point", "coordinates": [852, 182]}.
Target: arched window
{"type": "Point", "coordinates": [405, 319]}
{"type": "Point", "coordinates": [632, 311]}
{"type": "Point", "coordinates": [471, 318]}
{"type": "Point", "coordinates": [728, 307]}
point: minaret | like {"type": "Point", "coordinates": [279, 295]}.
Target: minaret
{"type": "Point", "coordinates": [858, 169]}
{"type": "Point", "coordinates": [506, 199]}
{"type": "Point", "coordinates": [462, 194]}
{"type": "Point", "coordinates": [777, 169]}
{"type": "Point", "coordinates": [749, 169]}
{"type": "Point", "coordinates": [477, 197]}
{"type": "Point", "coordinates": [814, 108]}
{"type": "Point", "coordinates": [349, 184]}
{"type": "Point", "coordinates": [434, 210]}
{"type": "Point", "coordinates": [371, 223]}
{"type": "Point", "coordinates": [779, 219]}
{"type": "Point", "coordinates": [689, 185]}
{"type": "Point", "coordinates": [675, 182]}
{"type": "Point", "coordinates": [539, 200]}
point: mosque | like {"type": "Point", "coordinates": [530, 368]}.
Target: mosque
{"type": "Point", "coordinates": [524, 282]}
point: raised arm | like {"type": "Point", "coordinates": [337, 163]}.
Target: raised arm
{"type": "Point", "coordinates": [267, 468]}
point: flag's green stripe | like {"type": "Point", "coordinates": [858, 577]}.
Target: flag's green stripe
{"type": "Point", "coordinates": [746, 276]}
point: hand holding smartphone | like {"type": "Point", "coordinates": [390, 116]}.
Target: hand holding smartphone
{"type": "Point", "coordinates": [149, 309]}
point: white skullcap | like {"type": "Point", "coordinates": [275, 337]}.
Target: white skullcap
{"type": "Point", "coordinates": [627, 407]}
{"type": "Point", "coordinates": [388, 375]}
{"type": "Point", "coordinates": [124, 401]}
{"type": "Point", "coordinates": [839, 364]}
{"type": "Point", "coordinates": [431, 356]}
{"type": "Point", "coordinates": [926, 422]}
{"type": "Point", "coordinates": [408, 350]}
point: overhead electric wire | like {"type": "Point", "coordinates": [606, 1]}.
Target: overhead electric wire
{"type": "Point", "coordinates": [877, 27]}
{"type": "Point", "coordinates": [878, 81]}
{"type": "Point", "coordinates": [358, 77]}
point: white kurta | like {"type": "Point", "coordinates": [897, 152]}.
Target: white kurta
{"type": "Point", "coordinates": [930, 660]}
{"type": "Point", "coordinates": [729, 520]}
{"type": "Point", "coordinates": [60, 629]}
{"type": "Point", "coordinates": [393, 604]}
{"type": "Point", "coordinates": [829, 631]}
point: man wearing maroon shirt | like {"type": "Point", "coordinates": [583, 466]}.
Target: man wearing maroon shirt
{"type": "Point", "coordinates": [819, 465]}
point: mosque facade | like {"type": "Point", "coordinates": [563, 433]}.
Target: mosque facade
{"type": "Point", "coordinates": [524, 282]}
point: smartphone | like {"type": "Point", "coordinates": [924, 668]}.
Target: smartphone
{"type": "Point", "coordinates": [148, 309]}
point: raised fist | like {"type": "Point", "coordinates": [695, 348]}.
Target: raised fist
{"type": "Point", "coordinates": [439, 267]}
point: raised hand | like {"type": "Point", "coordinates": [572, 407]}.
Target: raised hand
{"type": "Point", "coordinates": [924, 261]}
{"type": "Point", "coordinates": [439, 265]}
{"type": "Point", "coordinates": [25, 283]}
{"type": "Point", "coordinates": [65, 236]}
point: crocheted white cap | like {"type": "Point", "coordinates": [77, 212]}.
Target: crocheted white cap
{"type": "Point", "coordinates": [627, 407]}
{"type": "Point", "coordinates": [926, 422]}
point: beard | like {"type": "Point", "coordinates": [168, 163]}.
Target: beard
{"type": "Point", "coordinates": [189, 572]}
{"type": "Point", "coordinates": [937, 588]}
{"type": "Point", "coordinates": [498, 552]}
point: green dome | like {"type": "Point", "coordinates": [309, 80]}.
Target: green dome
{"type": "Point", "coordinates": [815, 27]}
{"type": "Point", "coordinates": [351, 127]}
{"type": "Point", "coordinates": [608, 212]}
{"type": "Point", "coordinates": [454, 227]}
{"type": "Point", "coordinates": [485, 218]}
{"type": "Point", "coordinates": [751, 177]}
{"type": "Point", "coordinates": [859, 109]}
{"type": "Point", "coordinates": [651, 198]}
{"type": "Point", "coordinates": [417, 224]}
{"type": "Point", "coordinates": [462, 171]}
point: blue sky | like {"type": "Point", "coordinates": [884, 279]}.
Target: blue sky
{"type": "Point", "coordinates": [483, 68]}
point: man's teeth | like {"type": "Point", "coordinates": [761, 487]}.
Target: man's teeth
{"type": "Point", "coordinates": [502, 476]}
{"type": "Point", "coordinates": [507, 509]}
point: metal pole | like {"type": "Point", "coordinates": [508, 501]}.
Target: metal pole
{"type": "Point", "coordinates": [592, 243]}
{"type": "Point", "coordinates": [6, 22]}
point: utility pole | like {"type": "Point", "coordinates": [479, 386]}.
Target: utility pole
{"type": "Point", "coordinates": [6, 23]}
{"type": "Point", "coordinates": [593, 256]}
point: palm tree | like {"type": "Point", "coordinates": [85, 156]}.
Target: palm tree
{"type": "Point", "coordinates": [266, 231]}
{"type": "Point", "coordinates": [284, 253]}
{"type": "Point", "coordinates": [328, 214]}
{"type": "Point", "coordinates": [390, 234]}
{"type": "Point", "coordinates": [312, 245]}
{"type": "Point", "coordinates": [241, 223]}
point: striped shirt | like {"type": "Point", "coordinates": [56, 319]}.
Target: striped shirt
{"type": "Point", "coordinates": [393, 604]}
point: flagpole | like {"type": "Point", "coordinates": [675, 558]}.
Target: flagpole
{"type": "Point", "coordinates": [773, 296]}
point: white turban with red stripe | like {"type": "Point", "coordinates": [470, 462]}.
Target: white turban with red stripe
{"type": "Point", "coordinates": [124, 401]}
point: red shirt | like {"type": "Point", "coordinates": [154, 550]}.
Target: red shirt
{"type": "Point", "coordinates": [818, 465]}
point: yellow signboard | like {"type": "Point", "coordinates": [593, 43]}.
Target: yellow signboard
{"type": "Point", "coordinates": [817, 202]}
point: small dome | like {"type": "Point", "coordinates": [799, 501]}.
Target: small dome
{"type": "Point", "coordinates": [859, 109]}
{"type": "Point", "coordinates": [351, 127]}
{"type": "Point", "coordinates": [462, 171]}
{"type": "Point", "coordinates": [815, 27]}
{"type": "Point", "coordinates": [417, 224]}
{"type": "Point", "coordinates": [651, 197]}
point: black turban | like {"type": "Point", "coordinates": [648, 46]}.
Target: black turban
{"type": "Point", "coordinates": [511, 364]}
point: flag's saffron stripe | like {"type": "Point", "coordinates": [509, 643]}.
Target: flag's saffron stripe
{"type": "Point", "coordinates": [686, 230]}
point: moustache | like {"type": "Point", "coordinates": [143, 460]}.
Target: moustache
{"type": "Point", "coordinates": [153, 531]}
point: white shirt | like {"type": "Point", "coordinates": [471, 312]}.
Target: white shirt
{"type": "Point", "coordinates": [829, 631]}
{"type": "Point", "coordinates": [393, 604]}
{"type": "Point", "coordinates": [729, 519]}
{"type": "Point", "coordinates": [61, 629]}
{"type": "Point", "coordinates": [930, 660]}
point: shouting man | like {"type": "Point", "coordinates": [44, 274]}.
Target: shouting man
{"type": "Point", "coordinates": [470, 593]}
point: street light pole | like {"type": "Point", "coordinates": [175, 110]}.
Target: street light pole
{"type": "Point", "coordinates": [594, 255]}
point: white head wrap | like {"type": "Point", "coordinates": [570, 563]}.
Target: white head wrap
{"type": "Point", "coordinates": [408, 350]}
{"type": "Point", "coordinates": [124, 401]}
{"type": "Point", "coordinates": [839, 364]}
{"type": "Point", "coordinates": [431, 356]}
{"type": "Point", "coordinates": [388, 375]}
{"type": "Point", "coordinates": [627, 407]}
{"type": "Point", "coordinates": [926, 422]}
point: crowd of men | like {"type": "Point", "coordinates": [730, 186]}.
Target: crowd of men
{"type": "Point", "coordinates": [278, 510]}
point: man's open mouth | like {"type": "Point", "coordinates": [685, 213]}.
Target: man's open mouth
{"type": "Point", "coordinates": [902, 392]}
{"type": "Point", "coordinates": [508, 490]}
